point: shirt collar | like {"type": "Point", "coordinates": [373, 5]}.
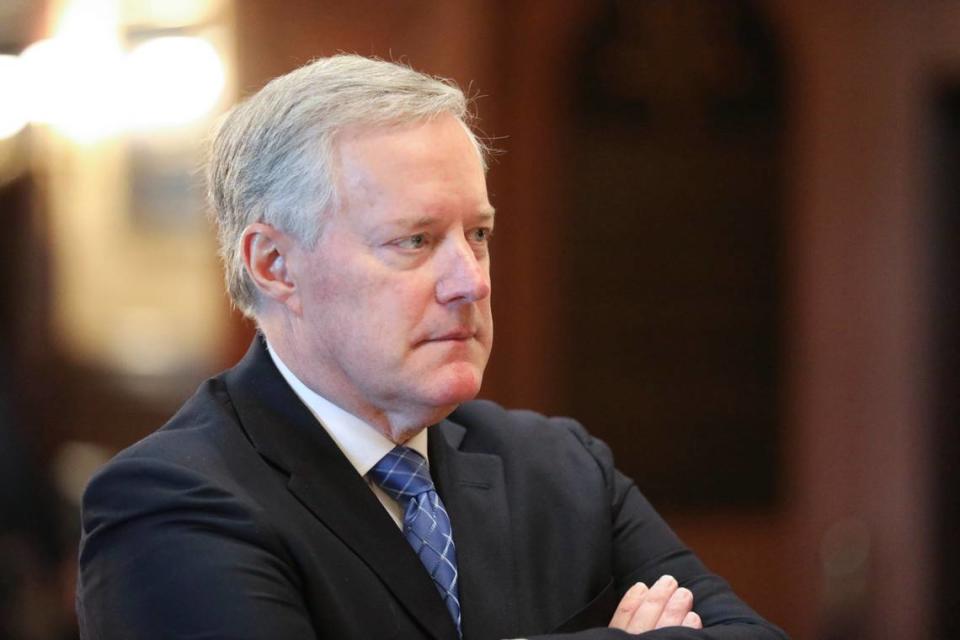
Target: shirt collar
{"type": "Point", "coordinates": [361, 443]}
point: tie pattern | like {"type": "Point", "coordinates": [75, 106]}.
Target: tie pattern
{"type": "Point", "coordinates": [403, 474]}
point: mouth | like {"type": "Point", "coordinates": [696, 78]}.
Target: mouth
{"type": "Point", "coordinates": [460, 334]}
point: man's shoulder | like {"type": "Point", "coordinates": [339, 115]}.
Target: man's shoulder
{"type": "Point", "coordinates": [487, 418]}
{"type": "Point", "coordinates": [524, 435]}
{"type": "Point", "coordinates": [193, 447]}
{"type": "Point", "coordinates": [203, 422]}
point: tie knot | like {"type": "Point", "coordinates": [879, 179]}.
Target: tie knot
{"type": "Point", "coordinates": [402, 473]}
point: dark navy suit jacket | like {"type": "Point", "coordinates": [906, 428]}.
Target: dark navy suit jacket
{"type": "Point", "coordinates": [241, 519]}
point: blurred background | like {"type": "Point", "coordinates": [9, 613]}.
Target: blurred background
{"type": "Point", "coordinates": [727, 242]}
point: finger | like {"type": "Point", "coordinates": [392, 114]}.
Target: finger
{"type": "Point", "coordinates": [692, 620]}
{"type": "Point", "coordinates": [678, 606]}
{"type": "Point", "coordinates": [649, 611]}
{"type": "Point", "coordinates": [628, 604]}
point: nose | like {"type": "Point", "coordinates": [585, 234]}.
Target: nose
{"type": "Point", "coordinates": [464, 276]}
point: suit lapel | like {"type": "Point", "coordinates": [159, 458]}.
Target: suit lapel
{"type": "Point", "coordinates": [284, 431]}
{"type": "Point", "coordinates": [472, 488]}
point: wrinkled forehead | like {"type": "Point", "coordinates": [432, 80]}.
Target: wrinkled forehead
{"type": "Point", "coordinates": [435, 157]}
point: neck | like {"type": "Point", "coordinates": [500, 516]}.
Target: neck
{"type": "Point", "coordinates": [397, 425]}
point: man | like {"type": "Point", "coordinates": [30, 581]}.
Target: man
{"type": "Point", "coordinates": [338, 482]}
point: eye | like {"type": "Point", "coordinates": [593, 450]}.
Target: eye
{"type": "Point", "coordinates": [481, 235]}
{"type": "Point", "coordinates": [416, 241]}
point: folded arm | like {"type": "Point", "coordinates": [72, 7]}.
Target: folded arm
{"type": "Point", "coordinates": [645, 549]}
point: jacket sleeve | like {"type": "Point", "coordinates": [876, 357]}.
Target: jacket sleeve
{"type": "Point", "coordinates": [645, 548]}
{"type": "Point", "coordinates": [165, 554]}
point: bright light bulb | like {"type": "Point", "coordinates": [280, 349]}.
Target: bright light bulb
{"type": "Point", "coordinates": [171, 13]}
{"type": "Point", "coordinates": [13, 106]}
{"type": "Point", "coordinates": [89, 22]}
{"type": "Point", "coordinates": [172, 81]}
{"type": "Point", "coordinates": [74, 86]}
{"type": "Point", "coordinates": [43, 77]}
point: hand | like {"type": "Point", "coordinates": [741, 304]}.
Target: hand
{"type": "Point", "coordinates": [663, 605]}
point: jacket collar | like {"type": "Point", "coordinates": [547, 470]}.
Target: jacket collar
{"type": "Point", "coordinates": [285, 433]}
{"type": "Point", "coordinates": [472, 487]}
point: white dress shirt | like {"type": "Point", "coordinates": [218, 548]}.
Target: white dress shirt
{"type": "Point", "coordinates": [361, 443]}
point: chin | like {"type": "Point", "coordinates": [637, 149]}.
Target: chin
{"type": "Point", "coordinates": [456, 384]}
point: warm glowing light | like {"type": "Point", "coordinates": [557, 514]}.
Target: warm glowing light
{"type": "Point", "coordinates": [74, 86]}
{"type": "Point", "coordinates": [172, 81]}
{"type": "Point", "coordinates": [89, 62]}
{"type": "Point", "coordinates": [170, 13]}
{"type": "Point", "coordinates": [42, 71]}
{"type": "Point", "coordinates": [89, 22]}
{"type": "Point", "coordinates": [81, 83]}
{"type": "Point", "coordinates": [13, 107]}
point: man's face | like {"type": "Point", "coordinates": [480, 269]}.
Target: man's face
{"type": "Point", "coordinates": [395, 314]}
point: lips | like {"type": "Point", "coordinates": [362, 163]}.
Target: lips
{"type": "Point", "coordinates": [456, 334]}
{"type": "Point", "coordinates": [459, 334]}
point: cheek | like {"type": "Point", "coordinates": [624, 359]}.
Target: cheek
{"type": "Point", "coordinates": [380, 311]}
{"type": "Point", "coordinates": [408, 298]}
{"type": "Point", "coordinates": [486, 312]}
{"type": "Point", "coordinates": [389, 314]}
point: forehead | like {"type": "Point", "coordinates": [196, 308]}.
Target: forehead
{"type": "Point", "coordinates": [427, 163]}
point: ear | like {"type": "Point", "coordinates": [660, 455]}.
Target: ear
{"type": "Point", "coordinates": [265, 253]}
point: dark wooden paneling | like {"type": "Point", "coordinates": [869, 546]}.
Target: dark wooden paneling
{"type": "Point", "coordinates": [945, 331]}
{"type": "Point", "coordinates": [670, 237]}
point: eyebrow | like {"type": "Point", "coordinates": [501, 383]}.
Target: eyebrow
{"type": "Point", "coordinates": [486, 214]}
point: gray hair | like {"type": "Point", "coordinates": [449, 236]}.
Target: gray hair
{"type": "Point", "coordinates": [271, 158]}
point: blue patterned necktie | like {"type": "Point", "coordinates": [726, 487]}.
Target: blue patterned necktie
{"type": "Point", "coordinates": [404, 475]}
